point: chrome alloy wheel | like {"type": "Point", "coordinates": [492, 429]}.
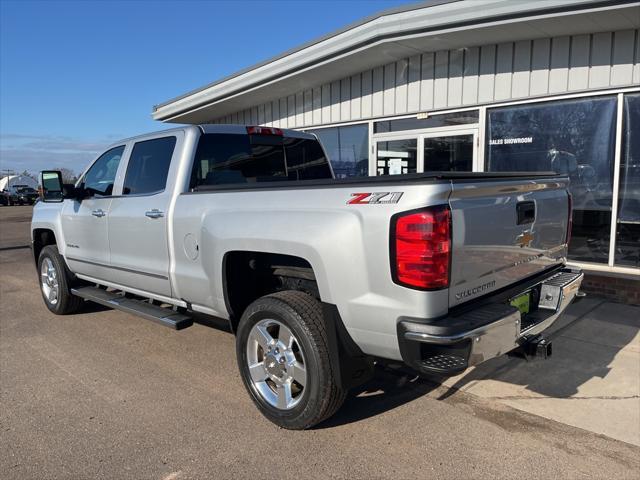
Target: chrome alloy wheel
{"type": "Point", "coordinates": [276, 364]}
{"type": "Point", "coordinates": [49, 281]}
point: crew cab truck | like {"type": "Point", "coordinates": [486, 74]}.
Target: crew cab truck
{"type": "Point", "coordinates": [317, 277]}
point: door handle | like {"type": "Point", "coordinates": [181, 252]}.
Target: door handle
{"type": "Point", "coordinates": [526, 212]}
{"type": "Point", "coordinates": [98, 213]}
{"type": "Point", "coordinates": [155, 213]}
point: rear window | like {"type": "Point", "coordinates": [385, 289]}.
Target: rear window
{"type": "Point", "coordinates": [229, 159]}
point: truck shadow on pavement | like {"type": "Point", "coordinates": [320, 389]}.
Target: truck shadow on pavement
{"type": "Point", "coordinates": [392, 385]}
{"type": "Point", "coordinates": [586, 363]}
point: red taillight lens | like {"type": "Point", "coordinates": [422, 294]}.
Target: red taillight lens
{"type": "Point", "coordinates": [570, 221]}
{"type": "Point", "coordinates": [264, 131]}
{"type": "Point", "coordinates": [421, 247]}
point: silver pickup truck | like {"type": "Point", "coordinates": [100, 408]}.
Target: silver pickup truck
{"type": "Point", "coordinates": [317, 277]}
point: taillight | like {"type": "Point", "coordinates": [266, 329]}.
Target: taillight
{"type": "Point", "coordinates": [264, 131]}
{"type": "Point", "coordinates": [570, 220]}
{"type": "Point", "coordinates": [420, 248]}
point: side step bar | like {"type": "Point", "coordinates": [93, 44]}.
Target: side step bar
{"type": "Point", "coordinates": [164, 316]}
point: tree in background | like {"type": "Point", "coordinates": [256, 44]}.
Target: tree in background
{"type": "Point", "coordinates": [26, 173]}
{"type": "Point", "coordinates": [68, 176]}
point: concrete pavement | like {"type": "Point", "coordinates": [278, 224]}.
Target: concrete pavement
{"type": "Point", "coordinates": [592, 380]}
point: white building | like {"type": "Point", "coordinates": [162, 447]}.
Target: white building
{"type": "Point", "coordinates": [11, 182]}
{"type": "Point", "coordinates": [476, 85]}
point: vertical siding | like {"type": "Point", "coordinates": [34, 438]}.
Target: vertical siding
{"type": "Point", "coordinates": [454, 89]}
{"type": "Point", "coordinates": [504, 71]}
{"type": "Point", "coordinates": [366, 86]}
{"type": "Point", "coordinates": [345, 99]}
{"type": "Point", "coordinates": [413, 84]}
{"type": "Point", "coordinates": [600, 64]}
{"type": "Point", "coordinates": [426, 84]}
{"type": "Point", "coordinates": [579, 62]}
{"type": "Point", "coordinates": [402, 85]}
{"type": "Point", "coordinates": [378, 86]}
{"type": "Point", "coordinates": [559, 69]}
{"type": "Point", "coordinates": [454, 78]}
{"type": "Point", "coordinates": [356, 97]}
{"type": "Point", "coordinates": [389, 98]}
{"type": "Point", "coordinates": [317, 106]}
{"type": "Point", "coordinates": [521, 69]}
{"type": "Point", "coordinates": [441, 79]}
{"type": "Point", "coordinates": [471, 71]}
{"type": "Point", "coordinates": [540, 62]}
{"type": "Point", "coordinates": [622, 65]}
{"type": "Point", "coordinates": [335, 101]}
{"type": "Point", "coordinates": [487, 73]}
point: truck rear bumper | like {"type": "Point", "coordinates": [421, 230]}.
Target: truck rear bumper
{"type": "Point", "coordinates": [450, 345]}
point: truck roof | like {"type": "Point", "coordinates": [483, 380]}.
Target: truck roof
{"type": "Point", "coordinates": [209, 128]}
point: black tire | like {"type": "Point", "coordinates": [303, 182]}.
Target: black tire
{"type": "Point", "coordinates": [66, 302]}
{"type": "Point", "coordinates": [302, 314]}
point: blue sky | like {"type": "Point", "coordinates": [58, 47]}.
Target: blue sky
{"type": "Point", "coordinates": [77, 75]}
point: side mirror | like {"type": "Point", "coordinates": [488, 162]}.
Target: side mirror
{"type": "Point", "coordinates": [52, 188]}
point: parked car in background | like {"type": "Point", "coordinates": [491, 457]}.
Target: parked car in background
{"type": "Point", "coordinates": [22, 195]}
{"type": "Point", "coordinates": [4, 198]}
{"type": "Point", "coordinates": [316, 276]}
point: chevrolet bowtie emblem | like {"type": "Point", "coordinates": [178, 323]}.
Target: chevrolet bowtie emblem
{"type": "Point", "coordinates": [524, 239]}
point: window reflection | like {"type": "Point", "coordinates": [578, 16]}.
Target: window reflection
{"type": "Point", "coordinates": [628, 226]}
{"type": "Point", "coordinates": [347, 149]}
{"type": "Point", "coordinates": [574, 137]}
{"type": "Point", "coordinates": [453, 153]}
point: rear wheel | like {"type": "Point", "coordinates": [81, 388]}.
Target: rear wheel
{"type": "Point", "coordinates": [55, 282]}
{"type": "Point", "coordinates": [283, 356]}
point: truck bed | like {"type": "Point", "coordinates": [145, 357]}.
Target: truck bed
{"type": "Point", "coordinates": [414, 178]}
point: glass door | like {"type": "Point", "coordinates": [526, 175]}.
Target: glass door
{"type": "Point", "coordinates": [433, 150]}
{"type": "Point", "coordinates": [397, 156]}
{"type": "Point", "coordinates": [449, 151]}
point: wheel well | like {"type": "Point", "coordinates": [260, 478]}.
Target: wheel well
{"type": "Point", "coordinates": [41, 238]}
{"type": "Point", "coordinates": [251, 275]}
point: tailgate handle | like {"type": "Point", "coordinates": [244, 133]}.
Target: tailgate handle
{"type": "Point", "coordinates": [526, 212]}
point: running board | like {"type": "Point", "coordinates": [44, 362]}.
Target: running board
{"type": "Point", "coordinates": [164, 316]}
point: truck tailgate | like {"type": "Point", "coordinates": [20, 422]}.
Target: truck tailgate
{"type": "Point", "coordinates": [505, 230]}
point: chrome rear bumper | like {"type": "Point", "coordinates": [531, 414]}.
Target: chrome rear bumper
{"type": "Point", "coordinates": [504, 331]}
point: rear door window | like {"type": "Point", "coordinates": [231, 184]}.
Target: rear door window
{"type": "Point", "coordinates": [228, 159]}
{"type": "Point", "coordinates": [149, 166]}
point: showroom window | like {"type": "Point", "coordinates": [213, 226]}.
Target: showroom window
{"type": "Point", "coordinates": [628, 228]}
{"type": "Point", "coordinates": [347, 148]}
{"type": "Point", "coordinates": [575, 137]}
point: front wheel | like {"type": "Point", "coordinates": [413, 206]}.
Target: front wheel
{"type": "Point", "coordinates": [55, 282]}
{"type": "Point", "coordinates": [283, 356]}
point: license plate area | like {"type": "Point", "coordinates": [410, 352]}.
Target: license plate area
{"type": "Point", "coordinates": [522, 302]}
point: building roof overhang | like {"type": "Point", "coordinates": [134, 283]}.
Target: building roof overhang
{"type": "Point", "coordinates": [393, 35]}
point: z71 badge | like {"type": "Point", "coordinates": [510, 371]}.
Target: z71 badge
{"type": "Point", "coordinates": [374, 198]}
